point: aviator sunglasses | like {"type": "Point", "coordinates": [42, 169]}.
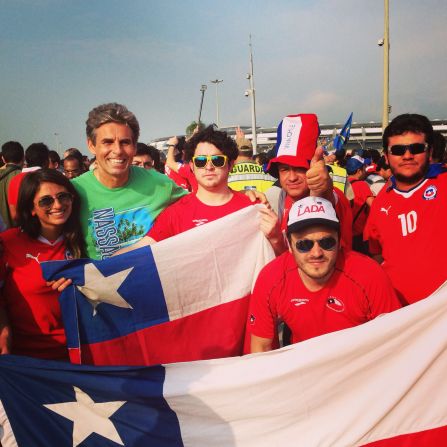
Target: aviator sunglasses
{"type": "Point", "coordinates": [326, 243]}
{"type": "Point", "coordinates": [64, 198]}
{"type": "Point", "coordinates": [414, 148]}
{"type": "Point", "coordinates": [218, 161]}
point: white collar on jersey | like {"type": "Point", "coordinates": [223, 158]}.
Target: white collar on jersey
{"type": "Point", "coordinates": [46, 241]}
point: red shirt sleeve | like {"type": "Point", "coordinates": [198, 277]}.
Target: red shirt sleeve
{"type": "Point", "coordinates": [185, 172]}
{"type": "Point", "coordinates": [381, 295]}
{"type": "Point", "coordinates": [344, 214]}
{"type": "Point", "coordinates": [262, 317]}
{"type": "Point", "coordinates": [13, 189]}
{"type": "Point", "coordinates": [163, 226]}
{"type": "Point", "coordinates": [371, 234]}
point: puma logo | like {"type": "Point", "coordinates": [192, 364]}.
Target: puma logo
{"type": "Point", "coordinates": [36, 258]}
{"type": "Point", "coordinates": [385, 210]}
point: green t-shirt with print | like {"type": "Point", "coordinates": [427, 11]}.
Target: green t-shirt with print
{"type": "Point", "coordinates": [113, 218]}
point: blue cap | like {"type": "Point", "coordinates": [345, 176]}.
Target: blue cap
{"type": "Point", "coordinates": [354, 163]}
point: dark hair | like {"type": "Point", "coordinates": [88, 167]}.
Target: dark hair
{"type": "Point", "coordinates": [75, 158]}
{"type": "Point", "coordinates": [373, 154]}
{"type": "Point", "coordinates": [75, 154]}
{"type": "Point", "coordinates": [382, 164]}
{"type": "Point", "coordinates": [31, 225]}
{"type": "Point", "coordinates": [211, 135]}
{"type": "Point", "coordinates": [261, 158]}
{"type": "Point", "coordinates": [12, 152]}
{"type": "Point", "coordinates": [37, 154]}
{"type": "Point", "coordinates": [179, 155]}
{"type": "Point", "coordinates": [340, 156]}
{"type": "Point", "coordinates": [72, 151]}
{"type": "Point", "coordinates": [438, 147]}
{"type": "Point", "coordinates": [54, 157]}
{"type": "Point", "coordinates": [144, 149]}
{"type": "Point", "coordinates": [408, 122]}
{"type": "Point", "coordinates": [111, 113]}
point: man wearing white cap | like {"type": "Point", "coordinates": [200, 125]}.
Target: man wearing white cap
{"type": "Point", "coordinates": [299, 166]}
{"type": "Point", "coordinates": [316, 287]}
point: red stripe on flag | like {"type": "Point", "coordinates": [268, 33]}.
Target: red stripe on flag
{"type": "Point", "coordinates": [435, 437]}
{"type": "Point", "coordinates": [212, 333]}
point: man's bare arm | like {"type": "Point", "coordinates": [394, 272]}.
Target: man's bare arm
{"type": "Point", "coordinates": [5, 333]}
{"type": "Point", "coordinates": [260, 344]}
{"type": "Point", "coordinates": [270, 226]}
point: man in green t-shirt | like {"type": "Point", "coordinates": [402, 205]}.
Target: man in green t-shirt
{"type": "Point", "coordinates": [119, 202]}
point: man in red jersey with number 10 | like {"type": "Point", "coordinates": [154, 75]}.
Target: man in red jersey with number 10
{"type": "Point", "coordinates": [406, 225]}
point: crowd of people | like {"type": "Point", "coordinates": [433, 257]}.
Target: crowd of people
{"type": "Point", "coordinates": [355, 235]}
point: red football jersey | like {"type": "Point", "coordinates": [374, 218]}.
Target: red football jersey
{"type": "Point", "coordinates": [32, 306]}
{"type": "Point", "coordinates": [408, 229]}
{"type": "Point", "coordinates": [185, 172]}
{"type": "Point", "coordinates": [13, 189]}
{"type": "Point", "coordinates": [357, 292]}
{"type": "Point", "coordinates": [189, 212]}
{"type": "Point", "coordinates": [360, 210]}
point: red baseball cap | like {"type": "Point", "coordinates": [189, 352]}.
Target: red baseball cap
{"type": "Point", "coordinates": [296, 141]}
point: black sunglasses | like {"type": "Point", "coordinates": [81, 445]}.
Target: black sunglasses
{"type": "Point", "coordinates": [414, 148]}
{"type": "Point", "coordinates": [218, 161]}
{"type": "Point", "coordinates": [326, 243]}
{"type": "Point", "coordinates": [64, 198]}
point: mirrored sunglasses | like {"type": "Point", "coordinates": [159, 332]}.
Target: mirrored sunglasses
{"type": "Point", "coordinates": [326, 243]}
{"type": "Point", "coordinates": [414, 148]}
{"type": "Point", "coordinates": [46, 202]}
{"type": "Point", "coordinates": [218, 161]}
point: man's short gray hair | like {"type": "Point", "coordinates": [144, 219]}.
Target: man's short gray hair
{"type": "Point", "coordinates": [111, 113]}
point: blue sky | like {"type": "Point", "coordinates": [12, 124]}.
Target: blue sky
{"type": "Point", "coordinates": [60, 58]}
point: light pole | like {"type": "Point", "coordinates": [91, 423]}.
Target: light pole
{"type": "Point", "coordinates": [385, 42]}
{"type": "Point", "coordinates": [251, 92]}
{"type": "Point", "coordinates": [202, 89]}
{"type": "Point", "coordinates": [216, 82]}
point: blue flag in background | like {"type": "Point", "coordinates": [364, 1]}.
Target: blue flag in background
{"type": "Point", "coordinates": [343, 137]}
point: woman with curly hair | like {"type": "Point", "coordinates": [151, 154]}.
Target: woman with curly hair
{"type": "Point", "coordinates": [48, 229]}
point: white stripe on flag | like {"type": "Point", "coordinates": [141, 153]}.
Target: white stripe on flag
{"type": "Point", "coordinates": [348, 388]}
{"type": "Point", "coordinates": [219, 274]}
{"type": "Point", "coordinates": [7, 438]}
{"type": "Point", "coordinates": [290, 134]}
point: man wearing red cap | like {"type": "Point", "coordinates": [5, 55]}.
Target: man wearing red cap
{"type": "Point", "coordinates": [299, 166]}
{"type": "Point", "coordinates": [316, 287]}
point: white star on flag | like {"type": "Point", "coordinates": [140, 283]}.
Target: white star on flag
{"type": "Point", "coordinates": [103, 289]}
{"type": "Point", "coordinates": [89, 417]}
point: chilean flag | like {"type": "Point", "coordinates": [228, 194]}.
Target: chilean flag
{"type": "Point", "coordinates": [381, 384]}
{"type": "Point", "coordinates": [181, 299]}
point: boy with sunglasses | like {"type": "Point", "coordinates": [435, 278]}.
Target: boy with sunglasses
{"type": "Point", "coordinates": [316, 287]}
{"type": "Point", "coordinates": [406, 224]}
{"type": "Point", "coordinates": [211, 155]}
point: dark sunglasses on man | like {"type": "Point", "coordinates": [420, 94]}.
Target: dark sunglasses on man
{"type": "Point", "coordinates": [413, 148]}
{"type": "Point", "coordinates": [326, 243]}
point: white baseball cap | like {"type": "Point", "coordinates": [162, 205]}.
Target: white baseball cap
{"type": "Point", "coordinates": [312, 211]}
